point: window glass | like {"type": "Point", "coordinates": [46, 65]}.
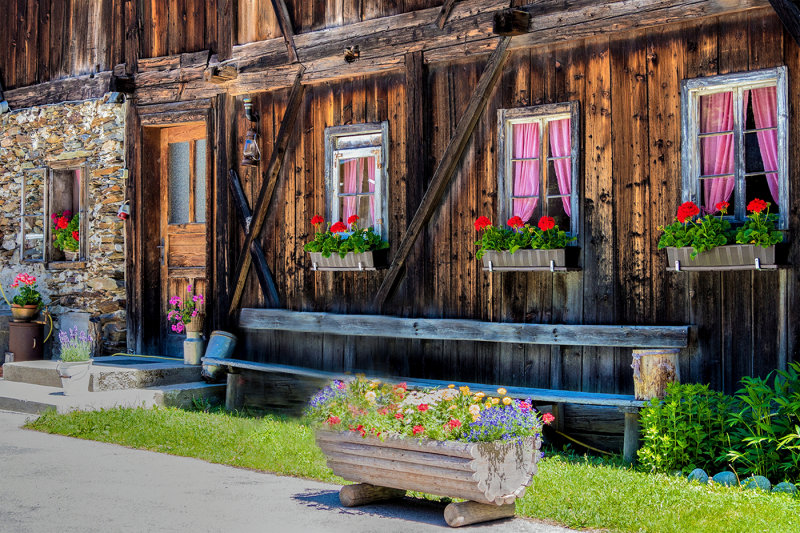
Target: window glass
{"type": "Point", "coordinates": [200, 180]}
{"type": "Point", "coordinates": [178, 177]}
{"type": "Point", "coordinates": [33, 230]}
{"type": "Point", "coordinates": [357, 190]}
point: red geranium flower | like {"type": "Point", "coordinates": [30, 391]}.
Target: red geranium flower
{"type": "Point", "coordinates": [686, 211]}
{"type": "Point", "coordinates": [454, 423]}
{"type": "Point", "coordinates": [75, 235]}
{"type": "Point", "coordinates": [422, 407]}
{"type": "Point", "coordinates": [338, 228]}
{"type": "Point", "coordinates": [417, 429]}
{"type": "Point", "coordinates": [316, 220]}
{"type": "Point", "coordinates": [757, 205]}
{"type": "Point", "coordinates": [351, 219]}
{"type": "Point", "coordinates": [547, 418]}
{"type": "Point", "coordinates": [333, 420]}
{"type": "Point", "coordinates": [62, 222]}
{"type": "Point", "coordinates": [723, 207]}
{"type": "Point", "coordinates": [481, 223]}
{"type": "Point", "coordinates": [398, 416]}
{"type": "Point", "coordinates": [515, 222]}
{"type": "Point", "coordinates": [383, 411]}
{"type": "Point", "coordinates": [546, 223]}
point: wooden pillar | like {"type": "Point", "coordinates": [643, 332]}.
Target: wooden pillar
{"type": "Point", "coordinates": [234, 391]}
{"type": "Point", "coordinates": [466, 513]}
{"type": "Point", "coordinates": [630, 443]}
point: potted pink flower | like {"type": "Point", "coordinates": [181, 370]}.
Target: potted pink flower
{"type": "Point", "coordinates": [187, 313]}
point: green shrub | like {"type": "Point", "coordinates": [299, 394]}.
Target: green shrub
{"type": "Point", "coordinates": [685, 430]}
{"type": "Point", "coordinates": [763, 426]}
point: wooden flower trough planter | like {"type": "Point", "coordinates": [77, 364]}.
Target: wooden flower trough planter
{"type": "Point", "coordinates": [728, 257]}
{"type": "Point", "coordinates": [372, 260]}
{"type": "Point", "coordinates": [491, 475]}
{"type": "Point", "coordinates": [557, 260]}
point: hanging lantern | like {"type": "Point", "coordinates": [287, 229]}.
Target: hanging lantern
{"type": "Point", "coordinates": [251, 155]}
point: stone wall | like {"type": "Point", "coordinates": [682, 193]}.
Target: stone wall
{"type": "Point", "coordinates": [92, 132]}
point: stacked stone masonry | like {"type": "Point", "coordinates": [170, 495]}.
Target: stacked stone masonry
{"type": "Point", "coordinates": [90, 132]}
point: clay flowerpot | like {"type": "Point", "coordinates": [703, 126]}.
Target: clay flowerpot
{"type": "Point", "coordinates": [24, 313]}
{"type": "Point", "coordinates": [71, 256]}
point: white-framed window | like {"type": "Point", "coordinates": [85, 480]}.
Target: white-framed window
{"type": "Point", "coordinates": [356, 174]}
{"type": "Point", "coordinates": [47, 195]}
{"type": "Point", "coordinates": [538, 164]}
{"type": "Point", "coordinates": [735, 142]}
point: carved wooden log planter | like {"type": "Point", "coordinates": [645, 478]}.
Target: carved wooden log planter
{"type": "Point", "coordinates": [728, 257]}
{"type": "Point", "coordinates": [351, 261]}
{"type": "Point", "coordinates": [490, 474]}
{"type": "Point", "coordinates": [653, 370]}
{"type": "Point", "coordinates": [559, 259]}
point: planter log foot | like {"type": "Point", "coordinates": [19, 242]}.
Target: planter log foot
{"type": "Point", "coordinates": [364, 493]}
{"type": "Point", "coordinates": [466, 513]}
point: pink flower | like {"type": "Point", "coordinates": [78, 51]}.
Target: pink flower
{"type": "Point", "coordinates": [189, 288]}
{"type": "Point", "coordinates": [417, 429]}
{"type": "Point", "coordinates": [194, 313]}
{"type": "Point", "coordinates": [422, 407]}
{"type": "Point", "coordinates": [547, 418]}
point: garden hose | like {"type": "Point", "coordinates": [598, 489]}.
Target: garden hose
{"type": "Point", "coordinates": [4, 295]}
{"type": "Point", "coordinates": [576, 441]}
{"type": "Point", "coordinates": [140, 355]}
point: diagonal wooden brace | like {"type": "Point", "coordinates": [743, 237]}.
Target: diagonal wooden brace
{"type": "Point", "coordinates": [282, 14]}
{"type": "Point", "coordinates": [268, 187]}
{"type": "Point", "coordinates": [245, 215]}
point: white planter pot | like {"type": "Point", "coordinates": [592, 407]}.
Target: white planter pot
{"type": "Point", "coordinates": [75, 376]}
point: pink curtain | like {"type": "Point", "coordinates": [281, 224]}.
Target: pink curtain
{"type": "Point", "coordinates": [371, 184]}
{"type": "Point", "coordinates": [716, 114]}
{"type": "Point", "coordinates": [526, 173]}
{"type": "Point", "coordinates": [765, 112]}
{"type": "Point", "coordinates": [351, 175]}
{"type": "Point", "coordinates": [561, 146]}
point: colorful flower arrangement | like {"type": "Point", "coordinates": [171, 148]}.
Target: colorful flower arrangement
{"type": "Point", "coordinates": [75, 346]}
{"type": "Point", "coordinates": [340, 238]}
{"type": "Point", "coordinates": [27, 294]}
{"type": "Point", "coordinates": [705, 233]}
{"type": "Point", "coordinates": [184, 311]}
{"type": "Point", "coordinates": [370, 407]}
{"type": "Point", "coordinates": [66, 234]}
{"type": "Point", "coordinates": [546, 235]}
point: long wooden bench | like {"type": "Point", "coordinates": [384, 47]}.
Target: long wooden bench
{"type": "Point", "coordinates": [296, 384]}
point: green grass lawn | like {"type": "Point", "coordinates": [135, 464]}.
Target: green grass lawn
{"type": "Point", "coordinates": [579, 492]}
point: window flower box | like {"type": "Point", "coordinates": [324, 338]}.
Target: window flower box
{"type": "Point", "coordinates": [493, 474]}
{"type": "Point", "coordinates": [559, 259]}
{"type": "Point", "coordinates": [728, 257]}
{"type": "Point", "coordinates": [371, 260]}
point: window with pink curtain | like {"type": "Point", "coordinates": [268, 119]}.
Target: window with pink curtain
{"type": "Point", "coordinates": [716, 149]}
{"type": "Point", "coordinates": [765, 115]}
{"type": "Point", "coordinates": [525, 170]}
{"type": "Point", "coordinates": [358, 190]}
{"type": "Point", "coordinates": [561, 149]}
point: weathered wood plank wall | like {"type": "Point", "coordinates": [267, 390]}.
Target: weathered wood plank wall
{"type": "Point", "coordinates": [629, 90]}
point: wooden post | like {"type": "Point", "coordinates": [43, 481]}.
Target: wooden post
{"type": "Point", "coordinates": [234, 391]}
{"type": "Point", "coordinates": [630, 443]}
{"type": "Point", "coordinates": [282, 14]}
{"type": "Point", "coordinates": [364, 493]}
{"type": "Point", "coordinates": [653, 370]}
{"type": "Point", "coordinates": [447, 167]}
{"type": "Point", "coordinates": [466, 513]}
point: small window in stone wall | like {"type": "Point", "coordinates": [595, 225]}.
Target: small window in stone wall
{"type": "Point", "coordinates": [53, 217]}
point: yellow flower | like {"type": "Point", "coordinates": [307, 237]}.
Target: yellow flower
{"type": "Point", "coordinates": [464, 390]}
{"type": "Point", "coordinates": [374, 384]}
{"type": "Point", "coordinates": [495, 401]}
{"type": "Point", "coordinates": [488, 402]}
{"type": "Point", "coordinates": [507, 401]}
{"type": "Point", "coordinates": [370, 396]}
{"type": "Point", "coordinates": [501, 391]}
{"type": "Point", "coordinates": [451, 386]}
{"type": "Point", "coordinates": [479, 395]}
{"type": "Point", "coordinates": [475, 418]}
{"type": "Point", "coordinates": [451, 407]}
{"type": "Point", "coordinates": [474, 410]}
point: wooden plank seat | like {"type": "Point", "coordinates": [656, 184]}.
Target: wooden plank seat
{"type": "Point", "coordinates": [296, 384]}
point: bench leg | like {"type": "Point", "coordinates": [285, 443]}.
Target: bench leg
{"type": "Point", "coordinates": [234, 392]}
{"type": "Point", "coordinates": [364, 493]}
{"type": "Point", "coordinates": [466, 513]}
{"type": "Point", "coordinates": [630, 443]}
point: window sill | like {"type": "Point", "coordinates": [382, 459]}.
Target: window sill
{"type": "Point", "coordinates": [66, 265]}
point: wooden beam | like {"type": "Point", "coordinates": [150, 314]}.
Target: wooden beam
{"type": "Point", "coordinates": [464, 330]}
{"type": "Point", "coordinates": [268, 187]}
{"type": "Point", "coordinates": [446, 168]}
{"type": "Point", "coordinates": [444, 14]}
{"type": "Point", "coordinates": [285, 23]}
{"type": "Point", "coordinates": [51, 92]}
{"type": "Point", "coordinates": [789, 13]}
{"type": "Point", "coordinates": [245, 216]}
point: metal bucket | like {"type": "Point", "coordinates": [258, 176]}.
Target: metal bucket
{"type": "Point", "coordinates": [75, 376]}
{"type": "Point", "coordinates": [220, 345]}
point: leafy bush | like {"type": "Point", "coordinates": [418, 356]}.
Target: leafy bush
{"type": "Point", "coordinates": [685, 430]}
{"type": "Point", "coordinates": [764, 426]}
{"type": "Point", "coordinates": [337, 239]}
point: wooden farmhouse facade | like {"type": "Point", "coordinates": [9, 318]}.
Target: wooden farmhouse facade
{"type": "Point", "coordinates": [437, 96]}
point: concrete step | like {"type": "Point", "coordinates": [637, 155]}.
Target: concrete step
{"type": "Point", "coordinates": [35, 399]}
{"type": "Point", "coordinates": [109, 373]}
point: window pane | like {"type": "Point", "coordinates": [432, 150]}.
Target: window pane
{"type": "Point", "coordinates": [526, 209]}
{"type": "Point", "coordinates": [200, 181]}
{"type": "Point", "coordinates": [33, 200]}
{"type": "Point", "coordinates": [557, 210]}
{"type": "Point", "coordinates": [559, 172]}
{"type": "Point", "coordinates": [760, 108]}
{"type": "Point", "coordinates": [178, 174]}
{"type": "Point", "coordinates": [716, 190]}
{"type": "Point", "coordinates": [33, 246]}
{"type": "Point", "coordinates": [716, 155]}
{"type": "Point", "coordinates": [525, 140]}
{"type": "Point", "coordinates": [764, 187]}
{"type": "Point", "coordinates": [716, 112]}
{"type": "Point", "coordinates": [357, 177]}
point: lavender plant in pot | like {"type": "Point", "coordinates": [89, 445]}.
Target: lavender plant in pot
{"type": "Point", "coordinates": [75, 362]}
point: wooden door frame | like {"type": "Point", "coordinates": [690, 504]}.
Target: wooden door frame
{"type": "Point", "coordinates": [141, 337]}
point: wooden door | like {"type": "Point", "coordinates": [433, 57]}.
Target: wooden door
{"type": "Point", "coordinates": [184, 251]}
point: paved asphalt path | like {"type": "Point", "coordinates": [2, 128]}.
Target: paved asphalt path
{"type": "Point", "coordinates": [50, 483]}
